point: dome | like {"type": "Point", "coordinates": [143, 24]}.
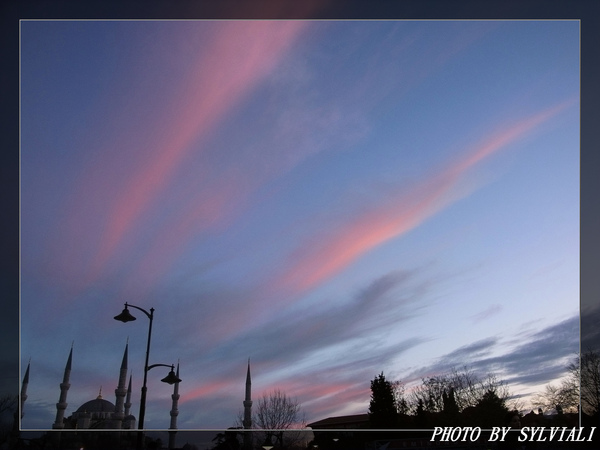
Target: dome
{"type": "Point", "coordinates": [96, 405]}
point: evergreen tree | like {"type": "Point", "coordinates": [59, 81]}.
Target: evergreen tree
{"type": "Point", "coordinates": [420, 415]}
{"type": "Point", "coordinates": [450, 412]}
{"type": "Point", "coordinates": [490, 411]}
{"type": "Point", "coordinates": [383, 412]}
{"type": "Point", "coordinates": [449, 401]}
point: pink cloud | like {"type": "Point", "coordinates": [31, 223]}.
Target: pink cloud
{"type": "Point", "coordinates": [324, 399]}
{"type": "Point", "coordinates": [241, 54]}
{"type": "Point", "coordinates": [328, 254]}
{"type": "Point", "coordinates": [204, 390]}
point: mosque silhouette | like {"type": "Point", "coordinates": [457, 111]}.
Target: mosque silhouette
{"type": "Point", "coordinates": [99, 413]}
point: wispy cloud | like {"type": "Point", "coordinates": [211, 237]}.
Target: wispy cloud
{"type": "Point", "coordinates": [538, 357]}
{"type": "Point", "coordinates": [485, 314]}
{"type": "Point", "coordinates": [327, 254]}
{"type": "Point", "coordinates": [225, 170]}
{"type": "Point", "coordinates": [301, 339]}
{"type": "Point", "coordinates": [241, 55]}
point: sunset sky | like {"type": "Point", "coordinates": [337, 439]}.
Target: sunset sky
{"type": "Point", "coordinates": [331, 199]}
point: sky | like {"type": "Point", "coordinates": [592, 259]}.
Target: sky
{"type": "Point", "coordinates": [327, 199]}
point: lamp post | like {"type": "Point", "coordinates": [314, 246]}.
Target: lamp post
{"type": "Point", "coordinates": [171, 378]}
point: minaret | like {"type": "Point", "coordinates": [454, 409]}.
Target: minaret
{"type": "Point", "coordinates": [24, 390]}
{"type": "Point", "coordinates": [174, 412]}
{"type": "Point", "coordinates": [61, 406]}
{"type": "Point", "coordinates": [247, 422]}
{"type": "Point", "coordinates": [129, 420]}
{"type": "Point", "coordinates": [128, 398]}
{"type": "Point", "coordinates": [121, 392]}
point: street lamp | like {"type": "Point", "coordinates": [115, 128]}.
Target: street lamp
{"type": "Point", "coordinates": [268, 445]}
{"type": "Point", "coordinates": [171, 378]}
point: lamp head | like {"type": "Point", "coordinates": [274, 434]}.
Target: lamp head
{"type": "Point", "coordinates": [171, 378]}
{"type": "Point", "coordinates": [268, 445]}
{"type": "Point", "coordinates": [125, 316]}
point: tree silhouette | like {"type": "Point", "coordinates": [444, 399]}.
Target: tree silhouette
{"type": "Point", "coordinates": [277, 412]}
{"type": "Point", "coordinates": [227, 440]}
{"type": "Point", "coordinates": [490, 411]}
{"type": "Point", "coordinates": [383, 412]}
{"type": "Point", "coordinates": [420, 415]}
{"type": "Point", "coordinates": [468, 389]}
{"type": "Point", "coordinates": [8, 416]}
{"type": "Point", "coordinates": [399, 397]}
{"type": "Point", "coordinates": [566, 394]}
{"type": "Point", "coordinates": [449, 401]}
{"type": "Point", "coordinates": [581, 387]}
{"type": "Point", "coordinates": [589, 374]}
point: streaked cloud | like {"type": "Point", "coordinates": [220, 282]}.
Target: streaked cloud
{"type": "Point", "coordinates": [275, 189]}
{"type": "Point", "coordinates": [485, 314]}
{"type": "Point", "coordinates": [538, 357]}
{"type": "Point", "coordinates": [239, 61]}
{"type": "Point", "coordinates": [325, 255]}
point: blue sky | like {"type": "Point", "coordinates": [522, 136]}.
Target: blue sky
{"type": "Point", "coordinates": [330, 199]}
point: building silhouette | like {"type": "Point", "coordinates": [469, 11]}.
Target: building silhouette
{"type": "Point", "coordinates": [97, 413]}
{"type": "Point", "coordinates": [100, 413]}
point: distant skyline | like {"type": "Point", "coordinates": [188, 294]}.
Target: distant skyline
{"type": "Point", "coordinates": [330, 199]}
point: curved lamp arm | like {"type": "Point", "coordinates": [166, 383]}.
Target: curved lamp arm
{"type": "Point", "coordinates": [171, 378]}
{"type": "Point", "coordinates": [172, 366]}
{"type": "Point", "coordinates": [149, 314]}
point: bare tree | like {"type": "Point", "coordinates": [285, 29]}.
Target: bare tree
{"type": "Point", "coordinates": [589, 375]}
{"type": "Point", "coordinates": [8, 411]}
{"type": "Point", "coordinates": [277, 414]}
{"type": "Point", "coordinates": [399, 390]}
{"type": "Point", "coordinates": [566, 395]}
{"type": "Point", "coordinates": [581, 387]}
{"type": "Point", "coordinates": [8, 403]}
{"type": "Point", "coordinates": [277, 411]}
{"type": "Point", "coordinates": [429, 394]}
{"type": "Point", "coordinates": [467, 387]}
